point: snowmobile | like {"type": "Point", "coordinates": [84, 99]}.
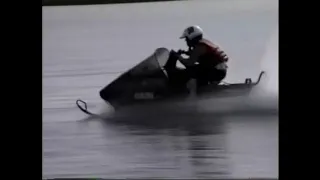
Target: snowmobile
{"type": "Point", "coordinates": [148, 81]}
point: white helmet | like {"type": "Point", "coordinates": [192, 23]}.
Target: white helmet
{"type": "Point", "coordinates": [191, 32]}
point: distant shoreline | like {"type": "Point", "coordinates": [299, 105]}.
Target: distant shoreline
{"type": "Point", "coordinates": [92, 2]}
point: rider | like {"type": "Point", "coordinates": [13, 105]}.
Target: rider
{"type": "Point", "coordinates": [206, 62]}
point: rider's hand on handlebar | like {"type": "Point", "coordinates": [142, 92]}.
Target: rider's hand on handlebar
{"type": "Point", "coordinates": [180, 51]}
{"type": "Point", "coordinates": [174, 53]}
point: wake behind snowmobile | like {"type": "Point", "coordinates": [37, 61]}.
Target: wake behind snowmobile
{"type": "Point", "coordinates": [148, 81]}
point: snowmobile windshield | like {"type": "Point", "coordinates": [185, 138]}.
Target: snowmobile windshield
{"type": "Point", "coordinates": [152, 64]}
{"type": "Point", "coordinates": [145, 76]}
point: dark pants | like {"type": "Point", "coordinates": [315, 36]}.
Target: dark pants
{"type": "Point", "coordinates": [203, 74]}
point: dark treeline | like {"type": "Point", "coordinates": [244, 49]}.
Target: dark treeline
{"type": "Point", "coordinates": [87, 2]}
